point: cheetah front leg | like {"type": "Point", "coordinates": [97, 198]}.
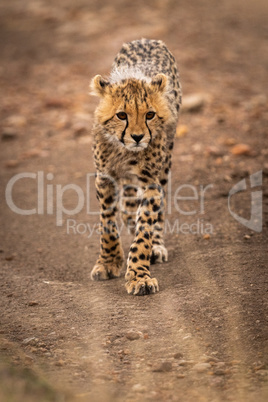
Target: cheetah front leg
{"type": "Point", "coordinates": [138, 277]}
{"type": "Point", "coordinates": [110, 261]}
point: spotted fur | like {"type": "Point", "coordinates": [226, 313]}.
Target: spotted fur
{"type": "Point", "coordinates": [135, 123]}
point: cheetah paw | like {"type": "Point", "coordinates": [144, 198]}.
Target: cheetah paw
{"type": "Point", "coordinates": [101, 272]}
{"type": "Point", "coordinates": [159, 254]}
{"type": "Point", "coordinates": [142, 286]}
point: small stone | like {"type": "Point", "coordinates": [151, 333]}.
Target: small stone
{"type": "Point", "coordinates": [210, 359]}
{"type": "Point", "coordinates": [139, 388]}
{"type": "Point", "coordinates": [241, 149]}
{"type": "Point", "coordinates": [235, 362]}
{"type": "Point", "coordinates": [220, 365]}
{"type": "Point", "coordinates": [201, 367]}
{"type": "Point", "coordinates": [227, 178]}
{"type": "Point", "coordinates": [9, 257]}
{"type": "Point", "coordinates": [214, 151]}
{"type": "Point", "coordinates": [16, 121]}
{"type": "Point", "coordinates": [206, 236]}
{"type": "Point", "coordinates": [132, 335]}
{"type": "Point", "coordinates": [115, 372]}
{"type": "Point", "coordinates": [117, 342]}
{"type": "Point", "coordinates": [260, 366]}
{"type": "Point", "coordinates": [32, 153]}
{"type": "Point", "coordinates": [28, 341]}
{"type": "Point", "coordinates": [181, 131]}
{"type": "Point", "coordinates": [8, 134]}
{"type": "Point", "coordinates": [12, 163]}
{"type": "Point", "coordinates": [187, 336]}
{"type": "Point", "coordinates": [220, 372]}
{"type": "Point", "coordinates": [180, 375]}
{"type": "Point", "coordinates": [146, 336]}
{"type": "Point", "coordinates": [247, 237]}
{"type": "Point", "coordinates": [60, 363]}
{"type": "Point", "coordinates": [194, 102]}
{"type": "Point", "coordinates": [186, 362]}
{"type": "Point", "coordinates": [29, 359]}
{"type": "Point", "coordinates": [229, 142]}
{"type": "Point", "coordinates": [262, 373]}
{"type": "Point", "coordinates": [218, 161]}
{"type": "Point", "coordinates": [178, 355]}
{"type": "Point", "coordinates": [163, 367]}
{"type": "Point", "coordinates": [33, 303]}
{"type": "Point", "coordinates": [56, 103]}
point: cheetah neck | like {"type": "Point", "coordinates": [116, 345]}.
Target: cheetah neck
{"type": "Point", "coordinates": [123, 73]}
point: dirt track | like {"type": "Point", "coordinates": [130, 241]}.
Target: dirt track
{"type": "Point", "coordinates": [203, 337]}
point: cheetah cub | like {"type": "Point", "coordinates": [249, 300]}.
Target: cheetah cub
{"type": "Point", "coordinates": [135, 123]}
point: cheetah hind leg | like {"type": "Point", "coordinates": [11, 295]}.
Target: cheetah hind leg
{"type": "Point", "coordinates": [129, 204]}
{"type": "Point", "coordinates": [103, 271]}
{"type": "Point", "coordinates": [159, 254]}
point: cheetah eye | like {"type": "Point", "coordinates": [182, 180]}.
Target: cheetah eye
{"type": "Point", "coordinates": [121, 115]}
{"type": "Point", "coordinates": [150, 115]}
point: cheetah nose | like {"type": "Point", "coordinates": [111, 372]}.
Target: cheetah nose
{"type": "Point", "coordinates": [137, 138]}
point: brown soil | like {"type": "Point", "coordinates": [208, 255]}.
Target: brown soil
{"type": "Point", "coordinates": [203, 337]}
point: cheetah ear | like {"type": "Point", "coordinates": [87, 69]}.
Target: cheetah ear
{"type": "Point", "coordinates": [159, 82]}
{"type": "Point", "coordinates": [99, 86]}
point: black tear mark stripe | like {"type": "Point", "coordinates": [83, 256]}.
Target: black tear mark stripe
{"type": "Point", "coordinates": [149, 130]}
{"type": "Point", "coordinates": [124, 133]}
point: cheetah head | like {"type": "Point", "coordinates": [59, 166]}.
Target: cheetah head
{"type": "Point", "coordinates": [132, 111]}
